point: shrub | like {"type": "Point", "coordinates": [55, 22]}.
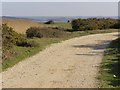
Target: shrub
{"type": "Point", "coordinates": [33, 32]}
{"type": "Point", "coordinates": [22, 43]}
{"type": "Point", "coordinates": [94, 23]}
{"type": "Point", "coordinates": [32, 43]}
{"type": "Point", "coordinates": [49, 22]}
{"type": "Point", "coordinates": [44, 32]}
{"type": "Point", "coordinates": [68, 21]}
{"type": "Point", "coordinates": [8, 39]}
{"type": "Point", "coordinates": [28, 44]}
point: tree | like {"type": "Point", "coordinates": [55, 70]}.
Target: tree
{"type": "Point", "coordinates": [49, 22]}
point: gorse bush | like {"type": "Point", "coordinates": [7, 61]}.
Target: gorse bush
{"type": "Point", "coordinates": [10, 38]}
{"type": "Point", "coordinates": [32, 43]}
{"type": "Point", "coordinates": [8, 41]}
{"type": "Point", "coordinates": [44, 32]}
{"type": "Point", "coordinates": [28, 44]}
{"type": "Point", "coordinates": [33, 32]}
{"type": "Point", "coordinates": [94, 24]}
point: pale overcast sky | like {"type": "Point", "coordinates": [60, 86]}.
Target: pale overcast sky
{"type": "Point", "coordinates": [60, 0]}
{"type": "Point", "coordinates": [60, 9]}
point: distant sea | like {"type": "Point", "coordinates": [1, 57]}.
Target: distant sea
{"type": "Point", "coordinates": [56, 18]}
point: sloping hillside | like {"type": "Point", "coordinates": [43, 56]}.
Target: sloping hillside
{"type": "Point", "coordinates": [20, 25]}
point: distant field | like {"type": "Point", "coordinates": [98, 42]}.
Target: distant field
{"type": "Point", "coordinates": [63, 25]}
{"type": "Point", "coordinates": [20, 25]}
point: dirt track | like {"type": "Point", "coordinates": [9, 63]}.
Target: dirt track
{"type": "Point", "coordinates": [73, 63]}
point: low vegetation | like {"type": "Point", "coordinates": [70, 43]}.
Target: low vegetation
{"type": "Point", "coordinates": [10, 40]}
{"type": "Point", "coordinates": [110, 67]}
{"type": "Point", "coordinates": [49, 22]}
{"type": "Point", "coordinates": [94, 24]}
{"type": "Point", "coordinates": [17, 47]}
{"type": "Point", "coordinates": [45, 32]}
{"type": "Point", "coordinates": [60, 25]}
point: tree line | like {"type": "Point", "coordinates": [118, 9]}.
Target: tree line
{"type": "Point", "coordinates": [94, 24]}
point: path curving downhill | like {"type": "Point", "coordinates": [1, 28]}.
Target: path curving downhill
{"type": "Point", "coordinates": [73, 63]}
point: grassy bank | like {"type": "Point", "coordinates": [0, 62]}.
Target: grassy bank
{"type": "Point", "coordinates": [24, 52]}
{"type": "Point", "coordinates": [83, 33]}
{"type": "Point", "coordinates": [110, 67]}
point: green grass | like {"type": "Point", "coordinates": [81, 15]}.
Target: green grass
{"type": "Point", "coordinates": [63, 25]}
{"type": "Point", "coordinates": [83, 33]}
{"type": "Point", "coordinates": [110, 66]}
{"type": "Point", "coordinates": [24, 52]}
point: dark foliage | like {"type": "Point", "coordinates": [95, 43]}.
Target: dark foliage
{"type": "Point", "coordinates": [10, 38]}
{"type": "Point", "coordinates": [94, 24]}
{"type": "Point", "coordinates": [49, 22]}
{"type": "Point", "coordinates": [44, 32]}
{"type": "Point", "coordinates": [33, 32]}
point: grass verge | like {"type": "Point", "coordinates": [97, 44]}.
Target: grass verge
{"type": "Point", "coordinates": [24, 52]}
{"type": "Point", "coordinates": [110, 66]}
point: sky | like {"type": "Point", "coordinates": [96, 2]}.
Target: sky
{"type": "Point", "coordinates": [59, 0]}
{"type": "Point", "coordinates": [81, 8]}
